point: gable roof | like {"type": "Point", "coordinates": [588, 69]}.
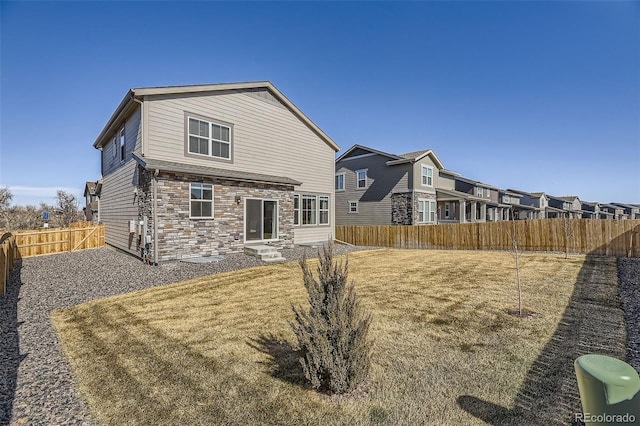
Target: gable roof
{"type": "Point", "coordinates": [90, 187]}
{"type": "Point", "coordinates": [394, 159]}
{"type": "Point", "coordinates": [414, 157]}
{"type": "Point", "coordinates": [357, 147]}
{"type": "Point", "coordinates": [134, 96]}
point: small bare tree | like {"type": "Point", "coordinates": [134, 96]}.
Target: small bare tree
{"type": "Point", "coordinates": [5, 200]}
{"type": "Point", "coordinates": [66, 208]}
{"type": "Point", "coordinates": [568, 231]}
{"type": "Point", "coordinates": [512, 234]}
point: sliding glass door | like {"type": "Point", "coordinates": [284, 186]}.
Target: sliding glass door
{"type": "Point", "coordinates": [261, 219]}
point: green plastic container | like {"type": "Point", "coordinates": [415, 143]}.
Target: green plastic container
{"type": "Point", "coordinates": [609, 390]}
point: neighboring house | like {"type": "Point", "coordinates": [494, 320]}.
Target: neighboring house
{"type": "Point", "coordinates": [377, 188]}
{"type": "Point", "coordinates": [92, 201]}
{"type": "Point", "coordinates": [611, 211]}
{"type": "Point", "coordinates": [565, 207]}
{"type": "Point", "coordinates": [514, 209]}
{"type": "Point", "coordinates": [478, 200]}
{"type": "Point", "coordinates": [539, 202]}
{"type": "Point", "coordinates": [631, 211]}
{"type": "Point", "coordinates": [590, 210]}
{"type": "Point", "coordinates": [202, 170]}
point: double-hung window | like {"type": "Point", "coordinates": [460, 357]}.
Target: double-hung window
{"type": "Point", "coordinates": [323, 210]}
{"type": "Point", "coordinates": [427, 176]}
{"type": "Point", "coordinates": [340, 182]}
{"type": "Point", "coordinates": [122, 144]}
{"type": "Point", "coordinates": [310, 209]}
{"type": "Point", "coordinates": [201, 201]}
{"type": "Point", "coordinates": [296, 210]}
{"type": "Point", "coordinates": [480, 192]}
{"type": "Point", "coordinates": [209, 138]}
{"type": "Point", "coordinates": [309, 212]}
{"type": "Point", "coordinates": [426, 211]}
{"type": "Point", "coordinates": [361, 179]}
{"type": "Point", "coordinates": [353, 207]}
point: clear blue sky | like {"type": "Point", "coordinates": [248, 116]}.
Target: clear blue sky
{"type": "Point", "coordinates": [537, 96]}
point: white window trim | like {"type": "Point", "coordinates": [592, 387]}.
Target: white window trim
{"type": "Point", "coordinates": [212, 197]}
{"type": "Point", "coordinates": [488, 192]}
{"type": "Point", "coordinates": [366, 178]}
{"type": "Point", "coordinates": [349, 207]}
{"type": "Point", "coordinates": [480, 191]}
{"type": "Point", "coordinates": [299, 215]}
{"type": "Point", "coordinates": [296, 212]}
{"type": "Point", "coordinates": [431, 209]}
{"type": "Point", "coordinates": [327, 210]}
{"type": "Point", "coordinates": [210, 139]}
{"type": "Point", "coordinates": [244, 219]}
{"type": "Point", "coordinates": [422, 175]}
{"type": "Point", "coordinates": [115, 145]}
{"type": "Point", "coordinates": [344, 178]}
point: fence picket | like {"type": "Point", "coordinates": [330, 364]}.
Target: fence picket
{"type": "Point", "coordinates": [586, 236]}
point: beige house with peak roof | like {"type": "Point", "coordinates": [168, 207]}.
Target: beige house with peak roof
{"type": "Point", "coordinates": [192, 171]}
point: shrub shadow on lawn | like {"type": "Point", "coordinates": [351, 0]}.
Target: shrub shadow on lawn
{"type": "Point", "coordinates": [10, 357]}
{"type": "Point", "coordinates": [593, 322]}
{"type": "Point", "coordinates": [284, 359]}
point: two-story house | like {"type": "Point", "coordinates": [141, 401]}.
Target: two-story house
{"type": "Point", "coordinates": [631, 211]}
{"type": "Point", "coordinates": [538, 202]}
{"type": "Point", "coordinates": [564, 207]}
{"type": "Point", "coordinates": [590, 210]}
{"type": "Point", "coordinates": [191, 171]}
{"type": "Point", "coordinates": [373, 187]}
{"type": "Point", "coordinates": [611, 211]}
{"type": "Point", "coordinates": [92, 201]}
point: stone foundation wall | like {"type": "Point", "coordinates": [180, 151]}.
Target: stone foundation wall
{"type": "Point", "coordinates": [181, 237]}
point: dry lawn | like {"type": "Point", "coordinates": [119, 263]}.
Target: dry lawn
{"type": "Point", "coordinates": [219, 350]}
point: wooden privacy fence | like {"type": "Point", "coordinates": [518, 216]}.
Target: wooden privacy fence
{"type": "Point", "coordinates": [59, 240]}
{"type": "Point", "coordinates": [7, 257]}
{"type": "Point", "coordinates": [587, 236]}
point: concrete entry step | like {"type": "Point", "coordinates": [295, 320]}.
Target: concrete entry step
{"type": "Point", "coordinates": [266, 253]}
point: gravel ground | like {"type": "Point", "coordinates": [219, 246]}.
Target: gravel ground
{"type": "Point", "coordinates": [36, 385]}
{"type": "Point", "coordinates": [629, 279]}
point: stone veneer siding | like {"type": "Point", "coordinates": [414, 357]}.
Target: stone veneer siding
{"type": "Point", "coordinates": [401, 208]}
{"type": "Point", "coordinates": [180, 237]}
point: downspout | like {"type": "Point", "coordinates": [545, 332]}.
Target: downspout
{"type": "Point", "coordinates": [133, 98]}
{"type": "Point", "coordinates": [155, 216]}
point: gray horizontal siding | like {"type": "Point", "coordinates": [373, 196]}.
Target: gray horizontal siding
{"type": "Point", "coordinates": [132, 139]}
{"type": "Point", "coordinates": [375, 201]}
{"type": "Point", "coordinates": [118, 206]}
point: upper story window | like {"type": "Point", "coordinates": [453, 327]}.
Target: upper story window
{"type": "Point", "coordinates": [488, 191]}
{"type": "Point", "coordinates": [201, 201]}
{"type": "Point", "coordinates": [427, 176]}
{"type": "Point", "coordinates": [480, 192]}
{"type": "Point", "coordinates": [506, 199]}
{"type": "Point", "coordinates": [122, 144]}
{"type": "Point", "coordinates": [353, 207]}
{"type": "Point", "coordinates": [115, 146]}
{"type": "Point", "coordinates": [208, 138]}
{"type": "Point", "coordinates": [361, 179]}
{"type": "Point", "coordinates": [340, 182]}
